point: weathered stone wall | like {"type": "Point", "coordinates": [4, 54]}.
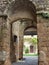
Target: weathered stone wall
{"type": "Point", "coordinates": [18, 30]}
{"type": "Point", "coordinates": [1, 44]}
{"type": "Point", "coordinates": [5, 33]}
{"type": "Point", "coordinates": [15, 32]}
{"type": "Point", "coordinates": [43, 40]}
{"type": "Point", "coordinates": [4, 41]}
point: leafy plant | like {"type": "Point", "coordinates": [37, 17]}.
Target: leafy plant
{"type": "Point", "coordinates": [26, 50]}
{"type": "Point", "coordinates": [34, 40]}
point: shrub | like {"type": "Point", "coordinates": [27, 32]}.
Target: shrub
{"type": "Point", "coordinates": [26, 50]}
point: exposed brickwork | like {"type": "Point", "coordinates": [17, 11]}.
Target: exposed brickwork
{"type": "Point", "coordinates": [5, 43]}
{"type": "Point", "coordinates": [43, 44]}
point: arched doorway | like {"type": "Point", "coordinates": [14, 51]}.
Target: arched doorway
{"type": "Point", "coordinates": [21, 17]}
{"type": "Point", "coordinates": [18, 10]}
{"type": "Point", "coordinates": [30, 50]}
{"type": "Point", "coordinates": [30, 39]}
{"type": "Point", "coordinates": [19, 28]}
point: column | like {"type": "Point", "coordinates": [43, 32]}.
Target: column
{"type": "Point", "coordinates": [21, 34]}
{"type": "Point", "coordinates": [5, 43]}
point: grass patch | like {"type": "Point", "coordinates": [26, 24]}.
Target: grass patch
{"type": "Point", "coordinates": [30, 54]}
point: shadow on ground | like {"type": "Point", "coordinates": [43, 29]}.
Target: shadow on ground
{"type": "Point", "coordinates": [28, 61]}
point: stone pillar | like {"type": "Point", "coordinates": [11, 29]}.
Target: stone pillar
{"type": "Point", "coordinates": [17, 30]}
{"type": "Point", "coordinates": [21, 45]}
{"type": "Point", "coordinates": [12, 47]}
{"type": "Point", "coordinates": [5, 44]}
{"type": "Point", "coordinates": [1, 44]}
{"type": "Point", "coordinates": [43, 41]}
{"type": "Point", "coordinates": [21, 34]}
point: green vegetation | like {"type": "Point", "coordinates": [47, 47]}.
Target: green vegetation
{"type": "Point", "coordinates": [26, 50]}
{"type": "Point", "coordinates": [44, 14]}
{"type": "Point", "coordinates": [34, 40]}
{"type": "Point", "coordinates": [30, 54]}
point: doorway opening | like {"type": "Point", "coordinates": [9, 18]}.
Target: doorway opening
{"type": "Point", "coordinates": [30, 47]}
{"type": "Point", "coordinates": [25, 42]}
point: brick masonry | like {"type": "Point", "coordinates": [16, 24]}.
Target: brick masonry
{"type": "Point", "coordinates": [43, 44]}
{"type": "Point", "coordinates": [6, 45]}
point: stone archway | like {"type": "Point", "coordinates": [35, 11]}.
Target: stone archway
{"type": "Point", "coordinates": [29, 32]}
{"type": "Point", "coordinates": [23, 13]}
{"type": "Point", "coordinates": [22, 10]}
{"type": "Point", "coordinates": [18, 28]}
